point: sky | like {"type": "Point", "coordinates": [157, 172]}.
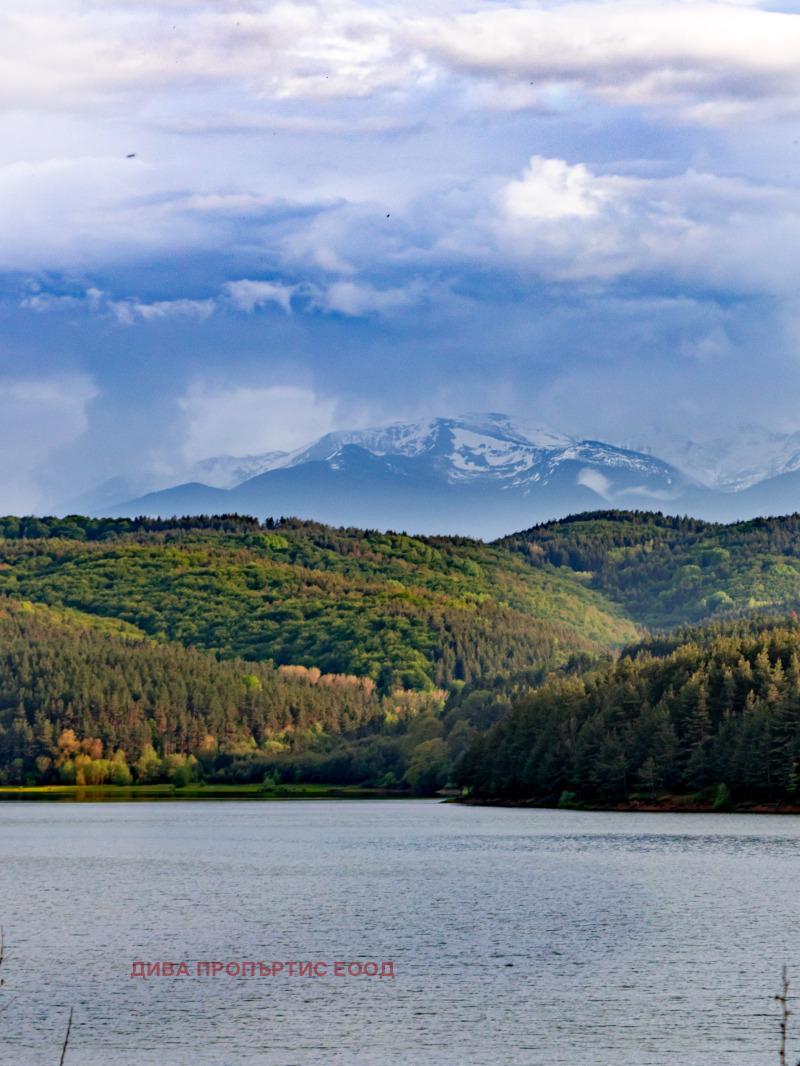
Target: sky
{"type": "Point", "coordinates": [231, 227]}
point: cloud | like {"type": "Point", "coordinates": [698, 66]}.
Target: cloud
{"type": "Point", "coordinates": [127, 311]}
{"type": "Point", "coordinates": [710, 63]}
{"type": "Point", "coordinates": [38, 417]}
{"type": "Point", "coordinates": [242, 420]}
{"type": "Point", "coordinates": [552, 190]}
{"type": "Point", "coordinates": [571, 224]}
{"type": "Point", "coordinates": [247, 295]}
{"type": "Point", "coordinates": [343, 297]}
{"type": "Point", "coordinates": [566, 223]}
{"type": "Point", "coordinates": [310, 222]}
{"type": "Point", "coordinates": [409, 203]}
{"type": "Point", "coordinates": [359, 299]}
{"type": "Point", "coordinates": [699, 56]}
{"type": "Point", "coordinates": [63, 213]}
{"type": "Point", "coordinates": [595, 481]}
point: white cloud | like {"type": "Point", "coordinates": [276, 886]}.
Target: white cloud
{"type": "Point", "coordinates": [564, 222]}
{"type": "Point", "coordinates": [246, 295]}
{"type": "Point", "coordinates": [242, 420]}
{"type": "Point", "coordinates": [571, 224]}
{"type": "Point", "coordinates": [320, 216]}
{"type": "Point", "coordinates": [67, 54]}
{"type": "Point", "coordinates": [62, 54]}
{"type": "Point", "coordinates": [594, 480]}
{"type": "Point", "coordinates": [358, 299]}
{"type": "Point", "coordinates": [127, 311]}
{"type": "Point", "coordinates": [656, 54]}
{"type": "Point", "coordinates": [342, 297]}
{"type": "Point", "coordinates": [45, 301]}
{"type": "Point", "coordinates": [550, 189]}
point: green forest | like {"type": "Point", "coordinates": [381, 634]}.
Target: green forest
{"type": "Point", "coordinates": [82, 704]}
{"type": "Point", "coordinates": [407, 612]}
{"type": "Point", "coordinates": [608, 655]}
{"type": "Point", "coordinates": [667, 571]}
{"type": "Point", "coordinates": [713, 711]}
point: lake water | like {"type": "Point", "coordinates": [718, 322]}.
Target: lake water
{"type": "Point", "coordinates": [544, 938]}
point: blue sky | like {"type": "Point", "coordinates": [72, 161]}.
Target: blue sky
{"type": "Point", "coordinates": [340, 214]}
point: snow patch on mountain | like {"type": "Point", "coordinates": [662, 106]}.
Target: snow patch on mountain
{"type": "Point", "coordinates": [476, 455]}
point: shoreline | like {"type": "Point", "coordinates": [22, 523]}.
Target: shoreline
{"type": "Point", "coordinates": [165, 792]}
{"type": "Point", "coordinates": [288, 792]}
{"type": "Point", "coordinates": [668, 805]}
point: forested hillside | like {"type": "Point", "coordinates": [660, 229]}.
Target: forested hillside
{"type": "Point", "coordinates": [666, 571]}
{"type": "Point", "coordinates": [223, 649]}
{"type": "Point", "coordinates": [403, 611]}
{"type": "Point", "coordinates": [229, 649]}
{"type": "Point", "coordinates": [715, 708]}
{"type": "Point", "coordinates": [82, 703]}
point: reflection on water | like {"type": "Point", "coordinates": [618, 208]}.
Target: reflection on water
{"type": "Point", "coordinates": [553, 938]}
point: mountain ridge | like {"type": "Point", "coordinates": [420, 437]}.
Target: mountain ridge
{"type": "Point", "coordinates": [480, 475]}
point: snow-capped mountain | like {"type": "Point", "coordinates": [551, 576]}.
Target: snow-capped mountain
{"type": "Point", "coordinates": [735, 463]}
{"type": "Point", "coordinates": [492, 448]}
{"type": "Point", "coordinates": [480, 475]}
{"type": "Point", "coordinates": [473, 444]}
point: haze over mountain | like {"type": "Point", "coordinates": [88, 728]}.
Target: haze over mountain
{"type": "Point", "coordinates": [479, 475]}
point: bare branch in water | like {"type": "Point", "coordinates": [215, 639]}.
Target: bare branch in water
{"type": "Point", "coordinates": [783, 999]}
{"type": "Point", "coordinates": [66, 1038]}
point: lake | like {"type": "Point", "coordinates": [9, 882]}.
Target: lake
{"type": "Point", "coordinates": [543, 938]}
